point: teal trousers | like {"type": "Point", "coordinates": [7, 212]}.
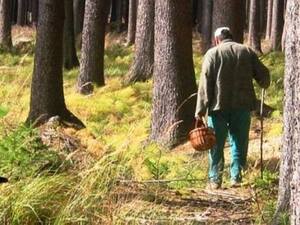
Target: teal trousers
{"type": "Point", "coordinates": [235, 125]}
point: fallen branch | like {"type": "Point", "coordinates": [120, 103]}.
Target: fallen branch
{"type": "Point", "coordinates": [158, 181]}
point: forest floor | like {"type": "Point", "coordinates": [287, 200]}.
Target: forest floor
{"type": "Point", "coordinates": [108, 173]}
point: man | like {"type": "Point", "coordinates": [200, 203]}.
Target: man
{"type": "Point", "coordinates": [226, 92]}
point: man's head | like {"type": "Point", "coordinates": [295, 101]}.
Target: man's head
{"type": "Point", "coordinates": [221, 34]}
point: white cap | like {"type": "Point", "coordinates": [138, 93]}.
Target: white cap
{"type": "Point", "coordinates": [219, 30]}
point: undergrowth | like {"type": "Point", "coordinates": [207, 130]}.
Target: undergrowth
{"type": "Point", "coordinates": [43, 187]}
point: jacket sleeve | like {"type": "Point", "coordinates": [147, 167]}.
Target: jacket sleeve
{"type": "Point", "coordinates": [206, 87]}
{"type": "Point", "coordinates": [260, 72]}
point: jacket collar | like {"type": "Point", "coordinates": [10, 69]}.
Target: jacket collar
{"type": "Point", "coordinates": [227, 40]}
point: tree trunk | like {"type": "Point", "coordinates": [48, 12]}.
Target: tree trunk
{"type": "Point", "coordinates": [113, 11]}
{"type": "Point", "coordinates": [70, 56]}
{"type": "Point", "coordinates": [199, 14]}
{"type": "Point", "coordinates": [254, 22]}
{"type": "Point", "coordinates": [116, 14]}
{"type": "Point", "coordinates": [289, 185]}
{"type": "Point", "coordinates": [262, 17]}
{"type": "Point", "coordinates": [14, 11]}
{"type": "Point", "coordinates": [196, 14]}
{"type": "Point", "coordinates": [22, 11]}
{"type": "Point", "coordinates": [125, 12]}
{"type": "Point", "coordinates": [247, 14]}
{"type": "Point", "coordinates": [132, 21]}
{"type": "Point", "coordinates": [277, 24]}
{"type": "Point", "coordinates": [269, 19]}
{"type": "Point", "coordinates": [206, 25]}
{"type": "Point", "coordinates": [174, 77]}
{"type": "Point", "coordinates": [142, 67]}
{"type": "Point", "coordinates": [93, 39]}
{"type": "Point", "coordinates": [35, 11]}
{"type": "Point", "coordinates": [229, 13]}
{"type": "Point", "coordinates": [78, 16]}
{"type": "Point", "coordinates": [5, 24]}
{"type": "Point", "coordinates": [47, 95]}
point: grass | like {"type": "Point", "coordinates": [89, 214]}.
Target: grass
{"type": "Point", "coordinates": [45, 188]}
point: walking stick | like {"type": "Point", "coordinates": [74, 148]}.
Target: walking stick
{"type": "Point", "coordinates": [262, 132]}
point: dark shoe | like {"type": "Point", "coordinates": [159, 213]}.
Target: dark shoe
{"type": "Point", "coordinates": [3, 180]}
{"type": "Point", "coordinates": [235, 184]}
{"type": "Point", "coordinates": [213, 185]}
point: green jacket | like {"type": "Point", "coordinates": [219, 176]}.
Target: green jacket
{"type": "Point", "coordinates": [227, 75]}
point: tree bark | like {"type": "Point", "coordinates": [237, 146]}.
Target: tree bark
{"type": "Point", "coordinates": [116, 14]}
{"type": "Point", "coordinates": [196, 13]}
{"type": "Point", "coordinates": [125, 12]}
{"type": "Point", "coordinates": [142, 67]}
{"type": "Point", "coordinates": [14, 11]}
{"type": "Point", "coordinates": [262, 17]}
{"type": "Point", "coordinates": [206, 25]}
{"type": "Point", "coordinates": [174, 77]}
{"type": "Point", "coordinates": [35, 11]}
{"type": "Point", "coordinates": [22, 11]}
{"type": "Point", "coordinates": [70, 56]}
{"type": "Point", "coordinates": [229, 13]}
{"type": "Point", "coordinates": [289, 184]}
{"type": "Point", "coordinates": [5, 24]}
{"type": "Point", "coordinates": [78, 16]}
{"type": "Point", "coordinates": [93, 39]}
{"type": "Point", "coordinates": [113, 11]}
{"type": "Point", "coordinates": [47, 95]}
{"type": "Point", "coordinates": [132, 21]}
{"type": "Point", "coordinates": [269, 19]}
{"type": "Point", "coordinates": [277, 24]}
{"type": "Point", "coordinates": [247, 14]}
{"type": "Point", "coordinates": [254, 22]}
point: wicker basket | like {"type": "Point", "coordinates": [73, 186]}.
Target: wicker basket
{"type": "Point", "coordinates": [202, 138]}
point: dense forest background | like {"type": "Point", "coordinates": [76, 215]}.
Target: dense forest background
{"type": "Point", "coordinates": [97, 100]}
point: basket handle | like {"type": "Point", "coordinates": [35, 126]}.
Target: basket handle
{"type": "Point", "coordinates": [199, 123]}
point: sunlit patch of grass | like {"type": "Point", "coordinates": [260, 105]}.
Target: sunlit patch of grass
{"type": "Point", "coordinates": [275, 128]}
{"type": "Point", "coordinates": [117, 60]}
{"type": "Point", "coordinates": [197, 64]}
{"type": "Point", "coordinates": [275, 62]}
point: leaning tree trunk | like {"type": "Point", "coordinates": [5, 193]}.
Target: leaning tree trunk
{"type": "Point", "coordinates": [254, 22]}
{"type": "Point", "coordinates": [206, 25]}
{"type": "Point", "coordinates": [142, 67]}
{"type": "Point", "coordinates": [5, 24]}
{"type": "Point", "coordinates": [269, 19]}
{"type": "Point", "coordinates": [289, 185]}
{"type": "Point", "coordinates": [174, 77]}
{"type": "Point", "coordinates": [92, 52]}
{"type": "Point", "coordinates": [47, 95]}
{"type": "Point", "coordinates": [277, 24]}
{"type": "Point", "coordinates": [229, 13]}
{"type": "Point", "coordinates": [132, 21]}
{"type": "Point", "coordinates": [70, 56]}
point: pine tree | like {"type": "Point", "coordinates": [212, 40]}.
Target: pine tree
{"type": "Point", "coordinates": [47, 95]}
{"type": "Point", "coordinates": [174, 78]}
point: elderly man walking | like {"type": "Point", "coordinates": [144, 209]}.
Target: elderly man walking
{"type": "Point", "coordinates": [227, 94]}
